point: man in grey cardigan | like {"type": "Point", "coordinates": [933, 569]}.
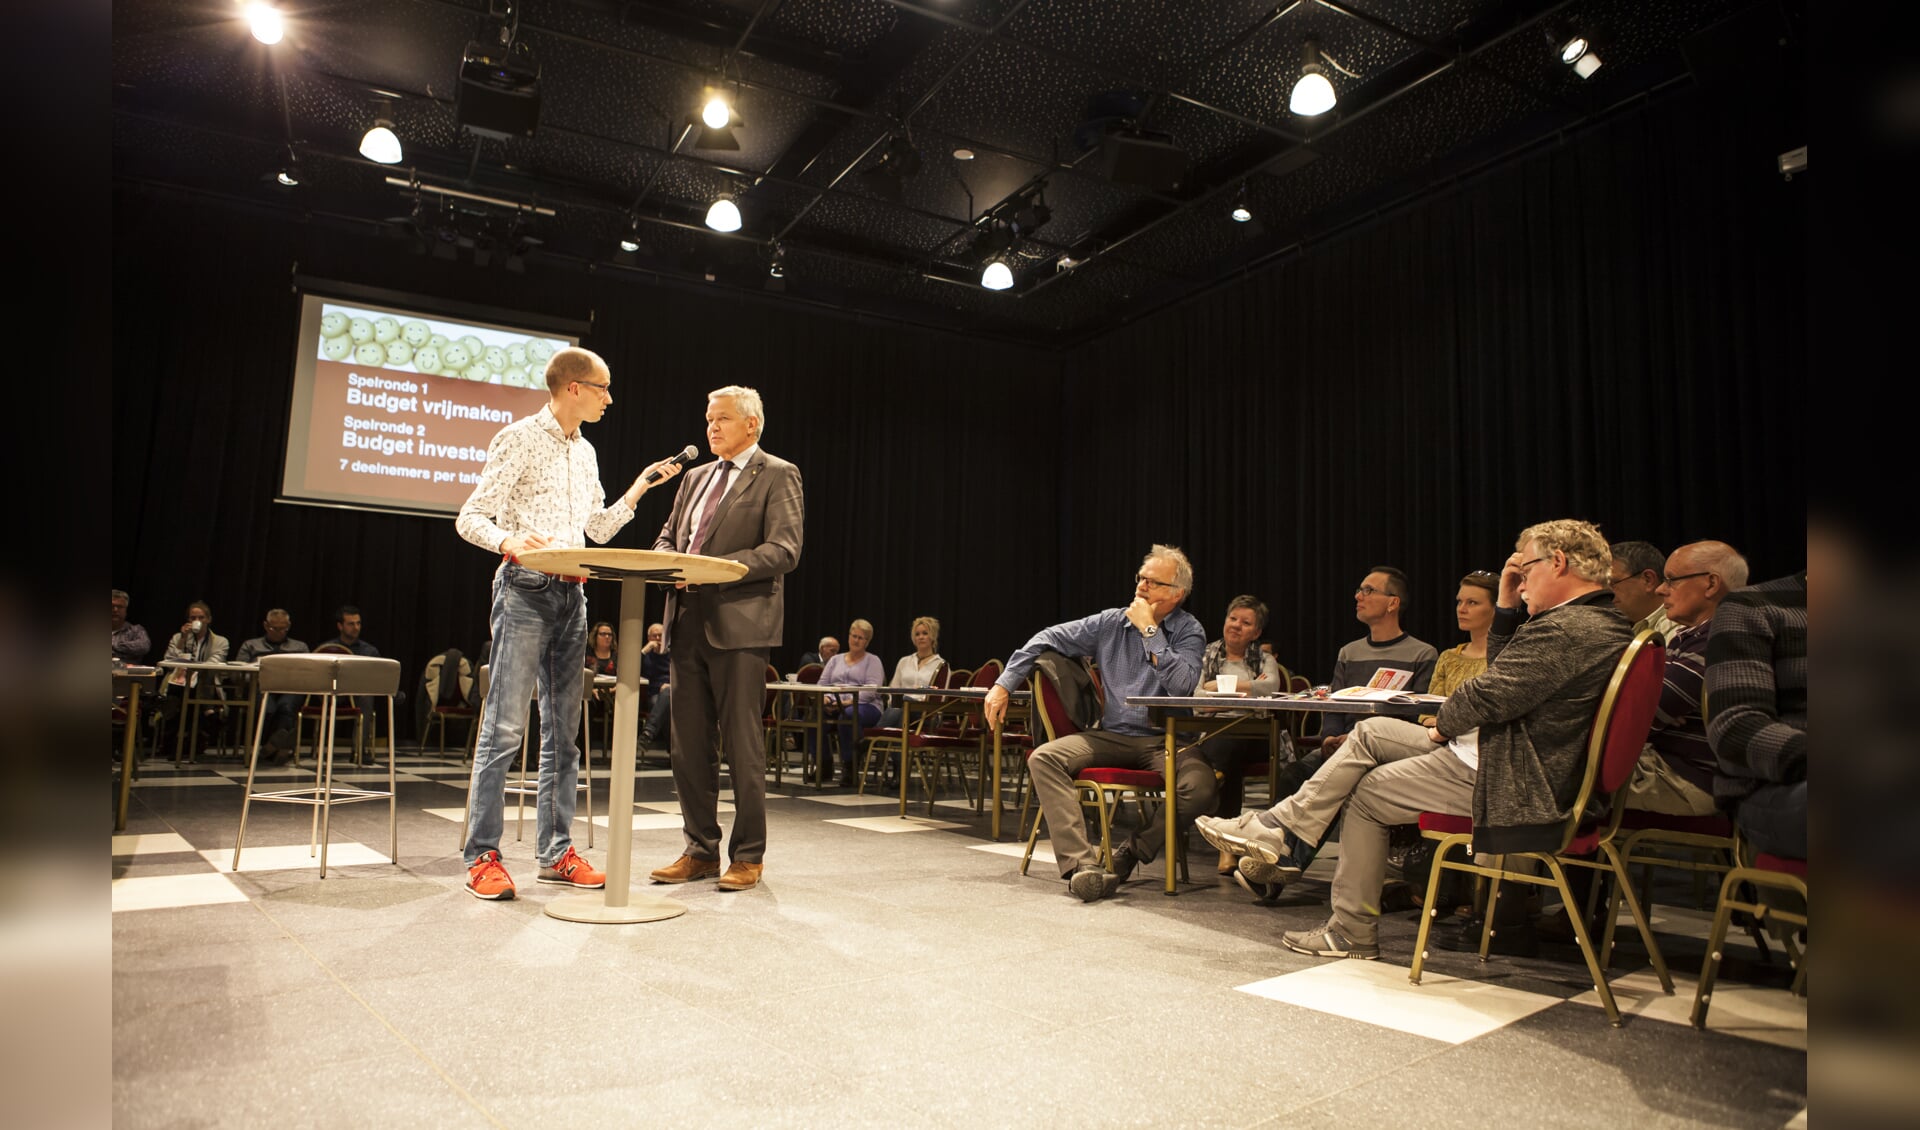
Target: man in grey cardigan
{"type": "Point", "coordinates": [1508, 747]}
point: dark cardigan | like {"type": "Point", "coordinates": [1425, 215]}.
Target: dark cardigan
{"type": "Point", "coordinates": [1534, 707]}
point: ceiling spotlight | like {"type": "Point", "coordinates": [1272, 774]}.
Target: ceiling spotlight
{"type": "Point", "coordinates": [265, 21]}
{"type": "Point", "coordinates": [1241, 213]}
{"type": "Point", "coordinates": [724, 214]}
{"type": "Point", "coordinates": [777, 264]}
{"type": "Point", "coordinates": [1575, 49]}
{"type": "Point", "coordinates": [1586, 64]}
{"type": "Point", "coordinates": [381, 143]}
{"type": "Point", "coordinates": [997, 276]}
{"type": "Point", "coordinates": [1313, 93]}
{"type": "Point", "coordinates": [716, 113]}
{"type": "Point", "coordinates": [629, 244]}
{"type": "Point", "coordinates": [288, 176]}
{"type": "Point", "coordinates": [963, 154]}
{"type": "Point", "coordinates": [1572, 48]}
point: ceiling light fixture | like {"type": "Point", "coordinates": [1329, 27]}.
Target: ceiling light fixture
{"type": "Point", "coordinates": [963, 154]}
{"type": "Point", "coordinates": [997, 276]}
{"type": "Point", "coordinates": [777, 263]}
{"type": "Point", "coordinates": [381, 144]}
{"type": "Point", "coordinates": [1574, 48]}
{"type": "Point", "coordinates": [723, 214]}
{"type": "Point", "coordinates": [1241, 213]}
{"type": "Point", "coordinates": [289, 173]}
{"type": "Point", "coordinates": [265, 22]}
{"type": "Point", "coordinates": [630, 242]}
{"type": "Point", "coordinates": [717, 122]}
{"type": "Point", "coordinates": [716, 113]}
{"type": "Point", "coordinates": [1312, 94]}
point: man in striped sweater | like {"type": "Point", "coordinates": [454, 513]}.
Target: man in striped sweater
{"type": "Point", "coordinates": [1756, 701]}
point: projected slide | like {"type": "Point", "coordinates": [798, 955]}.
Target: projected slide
{"type": "Point", "coordinates": [393, 409]}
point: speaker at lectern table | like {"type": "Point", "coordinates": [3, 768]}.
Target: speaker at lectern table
{"type": "Point", "coordinates": [634, 569]}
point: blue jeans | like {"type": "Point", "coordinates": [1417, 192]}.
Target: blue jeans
{"type": "Point", "coordinates": [539, 627]}
{"type": "Point", "coordinates": [281, 711]}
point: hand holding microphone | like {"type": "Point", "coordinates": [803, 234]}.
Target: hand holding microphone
{"type": "Point", "coordinates": [667, 468]}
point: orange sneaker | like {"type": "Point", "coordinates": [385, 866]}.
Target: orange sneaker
{"type": "Point", "coordinates": [486, 879]}
{"type": "Point", "coordinates": [572, 871]}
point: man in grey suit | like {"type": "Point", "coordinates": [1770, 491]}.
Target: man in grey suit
{"type": "Point", "coordinates": [747, 507]}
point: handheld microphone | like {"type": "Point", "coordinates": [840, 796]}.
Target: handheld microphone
{"type": "Point", "coordinates": [688, 455]}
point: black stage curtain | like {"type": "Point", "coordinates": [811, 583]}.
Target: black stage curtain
{"type": "Point", "coordinates": [1612, 330]}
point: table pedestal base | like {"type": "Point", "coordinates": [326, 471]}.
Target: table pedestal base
{"type": "Point", "coordinates": [638, 907]}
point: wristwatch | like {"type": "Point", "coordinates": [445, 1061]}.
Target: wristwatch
{"type": "Point", "coordinates": [1150, 631]}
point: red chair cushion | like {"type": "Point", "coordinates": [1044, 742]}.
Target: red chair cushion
{"type": "Point", "coordinates": [1105, 775]}
{"type": "Point", "coordinates": [942, 741]}
{"type": "Point", "coordinates": [1766, 862]}
{"type": "Point", "coordinates": [1634, 820]}
{"type": "Point", "coordinates": [1446, 823]}
{"type": "Point", "coordinates": [881, 732]}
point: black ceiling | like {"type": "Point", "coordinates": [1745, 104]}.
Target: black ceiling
{"type": "Point", "coordinates": [821, 86]}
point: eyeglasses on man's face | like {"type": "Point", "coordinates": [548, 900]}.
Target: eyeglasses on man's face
{"type": "Point", "coordinates": [597, 387]}
{"type": "Point", "coordinates": [1369, 590]}
{"type": "Point", "coordinates": [1143, 579]}
{"type": "Point", "coordinates": [1672, 581]}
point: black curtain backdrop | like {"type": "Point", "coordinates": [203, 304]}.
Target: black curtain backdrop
{"type": "Point", "coordinates": [1613, 330]}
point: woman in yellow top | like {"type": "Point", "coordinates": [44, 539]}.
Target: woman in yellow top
{"type": "Point", "coordinates": [1473, 610]}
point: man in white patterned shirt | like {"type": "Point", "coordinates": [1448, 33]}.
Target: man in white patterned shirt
{"type": "Point", "coordinates": [540, 489]}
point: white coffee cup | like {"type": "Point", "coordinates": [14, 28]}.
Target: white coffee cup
{"type": "Point", "coordinates": [1228, 684]}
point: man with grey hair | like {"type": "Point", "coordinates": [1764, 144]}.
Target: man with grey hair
{"type": "Point", "coordinates": [1505, 748]}
{"type": "Point", "coordinates": [130, 641]}
{"type": "Point", "coordinates": [279, 711]}
{"type": "Point", "coordinates": [826, 649]}
{"type": "Point", "coordinates": [1635, 581]}
{"type": "Point", "coordinates": [747, 506]}
{"type": "Point", "coordinates": [1150, 647]}
{"type": "Point", "coordinates": [1675, 772]}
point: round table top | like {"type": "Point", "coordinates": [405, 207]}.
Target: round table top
{"type": "Point", "coordinates": [645, 564]}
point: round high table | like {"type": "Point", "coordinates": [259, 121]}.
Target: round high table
{"type": "Point", "coordinates": [633, 568]}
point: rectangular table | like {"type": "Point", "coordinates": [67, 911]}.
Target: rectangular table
{"type": "Point", "coordinates": [1169, 707]}
{"type": "Point", "coordinates": [248, 672]}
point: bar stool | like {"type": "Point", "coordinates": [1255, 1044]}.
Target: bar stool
{"type": "Point", "coordinates": [523, 786]}
{"type": "Point", "coordinates": [327, 677]}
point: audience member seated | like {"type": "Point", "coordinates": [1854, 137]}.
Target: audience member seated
{"type": "Point", "coordinates": [1473, 612]}
{"type": "Point", "coordinates": [656, 667]}
{"type": "Point", "coordinates": [851, 713]}
{"type": "Point", "coordinates": [1258, 673]}
{"type": "Point", "coordinates": [918, 669]}
{"type": "Point", "coordinates": [824, 651]}
{"type": "Point", "coordinates": [347, 622]}
{"type": "Point", "coordinates": [1637, 568]}
{"type": "Point", "coordinates": [1675, 772]}
{"type": "Point", "coordinates": [195, 642]}
{"type": "Point", "coordinates": [130, 642]}
{"type": "Point", "coordinates": [1150, 647]}
{"type": "Point", "coordinates": [1505, 748]}
{"type": "Point", "coordinates": [1756, 687]}
{"type": "Point", "coordinates": [280, 711]}
{"type": "Point", "coordinates": [1378, 603]}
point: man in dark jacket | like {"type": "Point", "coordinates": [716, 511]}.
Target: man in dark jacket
{"type": "Point", "coordinates": [1508, 747]}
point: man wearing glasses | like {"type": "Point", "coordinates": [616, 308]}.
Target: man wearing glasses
{"type": "Point", "coordinates": [540, 489]}
{"type": "Point", "coordinates": [1150, 647]}
{"type": "Point", "coordinates": [1504, 748]}
{"type": "Point", "coordinates": [1379, 603]}
{"type": "Point", "coordinates": [1638, 569]}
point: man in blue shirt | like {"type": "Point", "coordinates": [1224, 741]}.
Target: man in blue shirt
{"type": "Point", "coordinates": [1150, 647]}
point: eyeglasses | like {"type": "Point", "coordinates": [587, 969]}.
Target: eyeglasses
{"type": "Point", "coordinates": [1525, 565]}
{"type": "Point", "coordinates": [1143, 579]}
{"type": "Point", "coordinates": [1369, 590]}
{"type": "Point", "coordinates": [601, 388]}
{"type": "Point", "coordinates": [1671, 581]}
{"type": "Point", "coordinates": [1482, 573]}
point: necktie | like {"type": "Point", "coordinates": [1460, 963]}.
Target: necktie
{"type": "Point", "coordinates": [706, 512]}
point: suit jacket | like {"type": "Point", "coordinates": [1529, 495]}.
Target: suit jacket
{"type": "Point", "coordinates": [760, 524]}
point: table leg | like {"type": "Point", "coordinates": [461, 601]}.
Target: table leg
{"type": "Point", "coordinates": [619, 903]}
{"type": "Point", "coordinates": [1172, 812]}
{"type": "Point", "coordinates": [906, 723]}
{"type": "Point", "coordinates": [996, 784]}
{"type": "Point", "coordinates": [127, 754]}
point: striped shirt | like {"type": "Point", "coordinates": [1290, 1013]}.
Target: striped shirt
{"type": "Point", "coordinates": [1679, 733]}
{"type": "Point", "coordinates": [1756, 687]}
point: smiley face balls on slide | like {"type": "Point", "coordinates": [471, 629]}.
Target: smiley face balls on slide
{"type": "Point", "coordinates": [494, 358]}
{"type": "Point", "coordinates": [415, 334]}
{"type": "Point", "coordinates": [515, 377]}
{"type": "Point", "coordinates": [360, 330]}
{"type": "Point", "coordinates": [517, 355]}
{"type": "Point", "coordinates": [386, 330]}
{"type": "Point", "coordinates": [333, 324]}
{"type": "Point", "coordinates": [398, 353]}
{"type": "Point", "coordinates": [455, 355]}
{"type": "Point", "coordinates": [337, 348]}
{"type": "Point", "coordinates": [537, 354]}
{"type": "Point", "coordinates": [427, 360]}
{"type": "Point", "coordinates": [372, 353]}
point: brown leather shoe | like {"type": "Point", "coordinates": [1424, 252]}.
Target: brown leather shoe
{"type": "Point", "coordinates": [685, 869]}
{"type": "Point", "coordinates": [741, 877]}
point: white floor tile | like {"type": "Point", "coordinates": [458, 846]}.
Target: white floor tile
{"type": "Point", "coordinates": [294, 857]}
{"type": "Point", "coordinates": [646, 821]}
{"type": "Point", "coordinates": [140, 782]}
{"type": "Point", "coordinates": [454, 814]}
{"type": "Point", "coordinates": [896, 823]}
{"type": "Point", "coordinates": [1772, 1016]}
{"type": "Point", "coordinates": [150, 844]}
{"type": "Point", "coordinates": [1439, 1008]}
{"type": "Point", "coordinates": [158, 892]}
{"type": "Point", "coordinates": [848, 800]}
{"type": "Point", "coordinates": [672, 807]}
{"type": "Point", "coordinates": [1041, 852]}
